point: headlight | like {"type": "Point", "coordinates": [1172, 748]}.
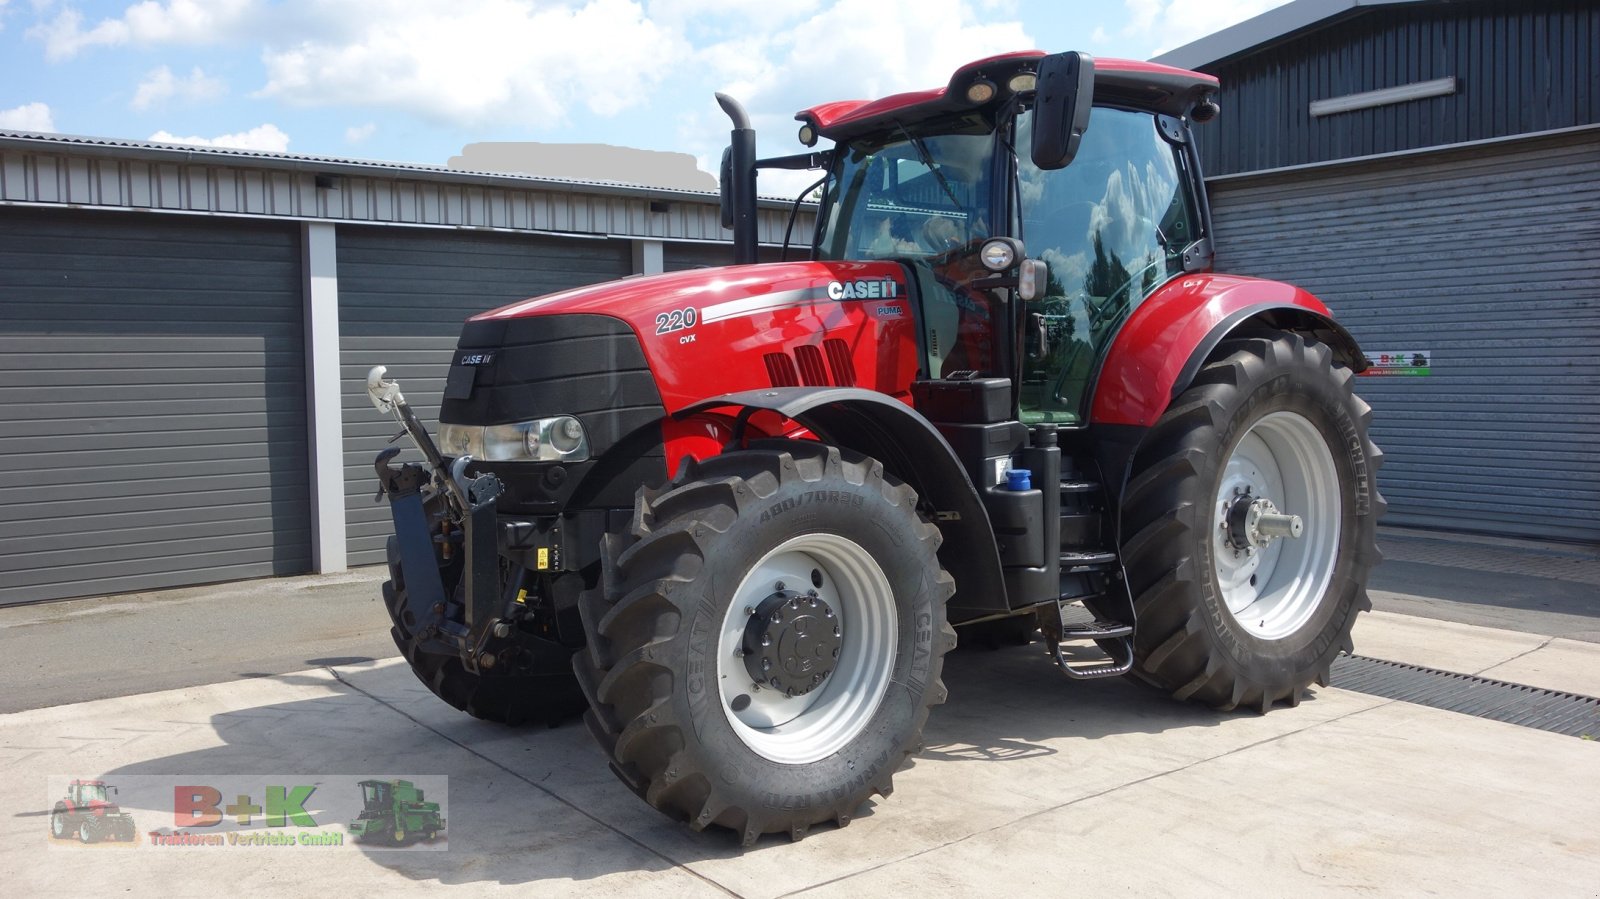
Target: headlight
{"type": "Point", "coordinates": [558, 439]}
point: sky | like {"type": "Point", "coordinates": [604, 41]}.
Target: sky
{"type": "Point", "coordinates": [416, 80]}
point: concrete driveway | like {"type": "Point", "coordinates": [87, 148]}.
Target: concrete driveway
{"type": "Point", "coordinates": [1028, 783]}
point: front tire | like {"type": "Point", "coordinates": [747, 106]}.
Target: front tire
{"type": "Point", "coordinates": [769, 640]}
{"type": "Point", "coordinates": [1229, 615]}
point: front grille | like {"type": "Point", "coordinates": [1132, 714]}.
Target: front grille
{"type": "Point", "coordinates": [588, 366]}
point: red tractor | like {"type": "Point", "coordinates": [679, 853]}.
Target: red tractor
{"type": "Point", "coordinates": [735, 512]}
{"type": "Point", "coordinates": [89, 814]}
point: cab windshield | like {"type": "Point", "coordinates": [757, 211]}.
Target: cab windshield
{"type": "Point", "coordinates": [921, 196]}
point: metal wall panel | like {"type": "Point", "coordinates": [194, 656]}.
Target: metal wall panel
{"type": "Point", "coordinates": [1521, 66]}
{"type": "Point", "coordinates": [48, 172]}
{"type": "Point", "coordinates": [152, 403]}
{"type": "Point", "coordinates": [403, 296]}
{"type": "Point", "coordinates": [1490, 258]}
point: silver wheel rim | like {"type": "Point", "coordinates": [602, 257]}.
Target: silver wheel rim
{"type": "Point", "coordinates": [805, 728]}
{"type": "Point", "coordinates": [1272, 590]}
{"type": "Point", "coordinates": [57, 825]}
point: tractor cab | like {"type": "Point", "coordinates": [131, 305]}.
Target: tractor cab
{"type": "Point", "coordinates": [86, 794]}
{"type": "Point", "coordinates": [377, 798]}
{"type": "Point", "coordinates": [931, 179]}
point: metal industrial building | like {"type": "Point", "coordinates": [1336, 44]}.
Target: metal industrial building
{"type": "Point", "coordinates": [1431, 169]}
{"type": "Point", "coordinates": [184, 334]}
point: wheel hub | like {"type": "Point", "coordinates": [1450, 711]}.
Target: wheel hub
{"type": "Point", "coordinates": [791, 642]}
{"type": "Point", "coordinates": [1253, 522]}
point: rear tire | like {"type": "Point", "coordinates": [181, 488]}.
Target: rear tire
{"type": "Point", "coordinates": [1234, 624]}
{"type": "Point", "coordinates": [540, 688]}
{"type": "Point", "coordinates": [676, 707]}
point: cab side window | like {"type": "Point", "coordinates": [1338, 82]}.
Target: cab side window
{"type": "Point", "coordinates": [1112, 226]}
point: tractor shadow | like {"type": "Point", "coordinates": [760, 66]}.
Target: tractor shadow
{"type": "Point", "coordinates": [538, 805]}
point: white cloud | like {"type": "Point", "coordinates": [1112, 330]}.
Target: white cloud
{"type": "Point", "coordinates": [480, 61]}
{"type": "Point", "coordinates": [355, 134]}
{"type": "Point", "coordinates": [262, 137]}
{"type": "Point", "coordinates": [1167, 24]}
{"type": "Point", "coordinates": [851, 49]}
{"type": "Point", "coordinates": [28, 117]}
{"type": "Point", "coordinates": [160, 85]}
{"type": "Point", "coordinates": [146, 23]}
{"type": "Point", "coordinates": [1098, 37]}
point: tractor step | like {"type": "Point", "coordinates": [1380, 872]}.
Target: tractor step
{"type": "Point", "coordinates": [1113, 642]}
{"type": "Point", "coordinates": [1073, 562]}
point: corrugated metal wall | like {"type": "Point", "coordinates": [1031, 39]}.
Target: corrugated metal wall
{"type": "Point", "coordinates": [48, 171]}
{"type": "Point", "coordinates": [403, 296]}
{"type": "Point", "coordinates": [152, 403]}
{"type": "Point", "coordinates": [1521, 66]}
{"type": "Point", "coordinates": [1490, 259]}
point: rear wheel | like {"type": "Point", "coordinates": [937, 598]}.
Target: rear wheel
{"type": "Point", "coordinates": [535, 687]}
{"type": "Point", "coordinates": [1250, 522]}
{"type": "Point", "coordinates": [769, 640]}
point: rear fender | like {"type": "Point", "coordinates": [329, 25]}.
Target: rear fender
{"type": "Point", "coordinates": [912, 450]}
{"type": "Point", "coordinates": [1161, 348]}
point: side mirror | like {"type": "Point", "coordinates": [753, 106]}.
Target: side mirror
{"type": "Point", "coordinates": [1061, 107]}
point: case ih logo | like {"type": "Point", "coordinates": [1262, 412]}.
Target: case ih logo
{"type": "Point", "coordinates": [886, 289]}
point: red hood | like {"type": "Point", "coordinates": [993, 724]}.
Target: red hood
{"type": "Point", "coordinates": [629, 298]}
{"type": "Point", "coordinates": [711, 331]}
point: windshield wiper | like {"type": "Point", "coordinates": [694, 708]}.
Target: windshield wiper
{"type": "Point", "coordinates": [927, 160]}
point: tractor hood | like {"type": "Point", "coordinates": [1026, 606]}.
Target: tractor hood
{"type": "Point", "coordinates": [721, 330]}
{"type": "Point", "coordinates": [718, 293]}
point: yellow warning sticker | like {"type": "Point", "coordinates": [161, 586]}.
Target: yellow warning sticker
{"type": "Point", "coordinates": [544, 558]}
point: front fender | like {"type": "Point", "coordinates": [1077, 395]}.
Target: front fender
{"type": "Point", "coordinates": [912, 450]}
{"type": "Point", "coordinates": [1161, 347]}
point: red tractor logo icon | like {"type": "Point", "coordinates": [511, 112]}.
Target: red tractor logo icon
{"type": "Point", "coordinates": [89, 814]}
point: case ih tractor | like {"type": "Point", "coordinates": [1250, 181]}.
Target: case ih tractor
{"type": "Point", "coordinates": [89, 814]}
{"type": "Point", "coordinates": [735, 512]}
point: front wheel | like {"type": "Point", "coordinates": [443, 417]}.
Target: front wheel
{"type": "Point", "coordinates": [769, 640]}
{"type": "Point", "coordinates": [1250, 526]}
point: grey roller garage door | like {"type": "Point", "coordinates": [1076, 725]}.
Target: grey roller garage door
{"type": "Point", "coordinates": [403, 296]}
{"type": "Point", "coordinates": [152, 403]}
{"type": "Point", "coordinates": [1489, 259]}
{"type": "Point", "coordinates": [677, 257]}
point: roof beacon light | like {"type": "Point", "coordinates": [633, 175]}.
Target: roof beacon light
{"type": "Point", "coordinates": [1023, 82]}
{"type": "Point", "coordinates": [980, 91]}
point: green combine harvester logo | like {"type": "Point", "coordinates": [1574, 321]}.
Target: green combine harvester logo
{"type": "Point", "coordinates": [394, 812]}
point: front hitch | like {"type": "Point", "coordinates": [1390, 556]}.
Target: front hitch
{"type": "Point", "coordinates": [428, 502]}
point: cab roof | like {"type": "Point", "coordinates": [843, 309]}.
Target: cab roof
{"type": "Point", "coordinates": [1145, 85]}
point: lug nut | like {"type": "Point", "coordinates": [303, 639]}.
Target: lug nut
{"type": "Point", "coordinates": [779, 587]}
